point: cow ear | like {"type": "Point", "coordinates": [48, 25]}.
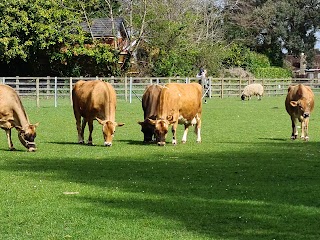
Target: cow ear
{"type": "Point", "coordinates": [294, 103]}
{"type": "Point", "coordinates": [141, 123]}
{"type": "Point", "coordinates": [119, 124]}
{"type": "Point", "coordinates": [170, 118]}
{"type": "Point", "coordinates": [36, 124]}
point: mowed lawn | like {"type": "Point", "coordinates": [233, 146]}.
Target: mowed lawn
{"type": "Point", "coordinates": [247, 180]}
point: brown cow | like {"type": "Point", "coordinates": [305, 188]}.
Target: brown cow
{"type": "Point", "coordinates": [150, 102]}
{"type": "Point", "coordinates": [95, 100]}
{"type": "Point", "coordinates": [299, 104]}
{"type": "Point", "coordinates": [179, 103]}
{"type": "Point", "coordinates": [13, 115]}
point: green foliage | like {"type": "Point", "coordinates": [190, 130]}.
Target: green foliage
{"type": "Point", "coordinates": [271, 72]}
{"type": "Point", "coordinates": [95, 59]}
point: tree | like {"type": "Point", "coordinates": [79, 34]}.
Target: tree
{"type": "Point", "coordinates": [271, 27]}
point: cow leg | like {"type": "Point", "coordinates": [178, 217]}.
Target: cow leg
{"type": "Point", "coordinates": [90, 125]}
{"type": "Point", "coordinates": [304, 129]}
{"type": "Point", "coordinates": [185, 133]}
{"type": "Point", "coordinates": [197, 129]}
{"type": "Point", "coordinates": [81, 133]}
{"type": "Point", "coordinates": [294, 134]}
{"type": "Point", "coordinates": [78, 124]}
{"type": "Point", "coordinates": [174, 133]}
{"type": "Point", "coordinates": [8, 133]}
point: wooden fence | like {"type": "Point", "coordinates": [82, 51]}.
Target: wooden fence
{"type": "Point", "coordinates": [129, 88]}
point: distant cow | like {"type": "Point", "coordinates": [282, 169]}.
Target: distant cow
{"type": "Point", "coordinates": [299, 104]}
{"type": "Point", "coordinates": [251, 90]}
{"type": "Point", "coordinates": [150, 102]}
{"type": "Point", "coordinates": [95, 100]}
{"type": "Point", "coordinates": [13, 115]}
{"type": "Point", "coordinates": [179, 103]}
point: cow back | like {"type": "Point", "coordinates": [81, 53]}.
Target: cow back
{"type": "Point", "coordinates": [94, 99]}
{"type": "Point", "coordinates": [178, 99]}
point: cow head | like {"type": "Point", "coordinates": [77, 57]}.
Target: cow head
{"type": "Point", "coordinates": [161, 127]}
{"type": "Point", "coordinates": [148, 131]}
{"type": "Point", "coordinates": [303, 106]}
{"type": "Point", "coordinates": [27, 135]}
{"type": "Point", "coordinates": [243, 97]}
{"type": "Point", "coordinates": [108, 130]}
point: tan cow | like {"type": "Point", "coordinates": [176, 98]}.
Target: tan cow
{"type": "Point", "coordinates": [299, 105]}
{"type": "Point", "coordinates": [95, 100]}
{"type": "Point", "coordinates": [179, 103]}
{"type": "Point", "coordinates": [13, 115]}
{"type": "Point", "coordinates": [150, 102]}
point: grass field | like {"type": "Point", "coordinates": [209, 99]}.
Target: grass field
{"type": "Point", "coordinates": [247, 180]}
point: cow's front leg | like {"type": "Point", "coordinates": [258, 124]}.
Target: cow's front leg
{"type": "Point", "coordinates": [10, 144]}
{"type": "Point", "coordinates": [304, 129]}
{"type": "Point", "coordinates": [174, 132]}
{"type": "Point", "coordinates": [90, 125]}
{"type": "Point", "coordinates": [294, 134]}
{"type": "Point", "coordinates": [185, 133]}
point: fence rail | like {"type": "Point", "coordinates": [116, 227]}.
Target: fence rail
{"type": "Point", "coordinates": [130, 87]}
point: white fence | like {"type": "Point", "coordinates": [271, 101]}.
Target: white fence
{"type": "Point", "coordinates": [130, 87]}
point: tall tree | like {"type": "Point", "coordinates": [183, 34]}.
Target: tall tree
{"type": "Point", "coordinates": [271, 27]}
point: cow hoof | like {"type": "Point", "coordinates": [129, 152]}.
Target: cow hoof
{"type": "Point", "coordinates": [81, 142]}
{"type": "Point", "coordinates": [183, 141]}
{"type": "Point", "coordinates": [199, 141]}
{"type": "Point", "coordinates": [12, 149]}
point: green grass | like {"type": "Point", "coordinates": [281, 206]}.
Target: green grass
{"type": "Point", "coordinates": [247, 180]}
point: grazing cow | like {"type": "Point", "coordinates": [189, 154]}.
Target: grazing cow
{"type": "Point", "coordinates": [95, 100]}
{"type": "Point", "coordinates": [251, 90]}
{"type": "Point", "coordinates": [150, 102]}
{"type": "Point", "coordinates": [179, 103]}
{"type": "Point", "coordinates": [13, 115]}
{"type": "Point", "coordinates": [299, 104]}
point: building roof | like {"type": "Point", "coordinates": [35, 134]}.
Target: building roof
{"type": "Point", "coordinates": [102, 27]}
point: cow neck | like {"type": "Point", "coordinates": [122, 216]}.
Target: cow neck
{"type": "Point", "coordinates": [111, 111]}
{"type": "Point", "coordinates": [21, 118]}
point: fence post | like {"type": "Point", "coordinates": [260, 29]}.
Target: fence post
{"type": "Point", "coordinates": [210, 87]}
{"type": "Point", "coordinates": [130, 91]}
{"type": "Point", "coordinates": [126, 88]}
{"type": "Point", "coordinates": [3, 80]}
{"type": "Point", "coordinates": [37, 92]}
{"type": "Point", "coordinates": [70, 90]}
{"type": "Point", "coordinates": [240, 86]}
{"type": "Point", "coordinates": [55, 91]}
{"type": "Point", "coordinates": [221, 88]}
{"type": "Point", "coordinates": [17, 84]}
{"type": "Point", "coordinates": [48, 86]}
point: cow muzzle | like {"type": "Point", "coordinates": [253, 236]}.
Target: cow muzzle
{"type": "Point", "coordinates": [161, 144]}
{"type": "Point", "coordinates": [306, 115]}
{"type": "Point", "coordinates": [107, 144]}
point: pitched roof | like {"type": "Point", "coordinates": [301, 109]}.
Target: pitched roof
{"type": "Point", "coordinates": [102, 27]}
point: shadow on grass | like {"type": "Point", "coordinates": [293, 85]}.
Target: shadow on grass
{"type": "Point", "coordinates": [267, 191]}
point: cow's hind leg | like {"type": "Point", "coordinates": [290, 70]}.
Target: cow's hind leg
{"type": "Point", "coordinates": [10, 144]}
{"type": "Point", "coordinates": [185, 133]}
{"type": "Point", "coordinates": [294, 134]}
{"type": "Point", "coordinates": [81, 130]}
{"type": "Point", "coordinates": [197, 129]}
{"type": "Point", "coordinates": [90, 125]}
